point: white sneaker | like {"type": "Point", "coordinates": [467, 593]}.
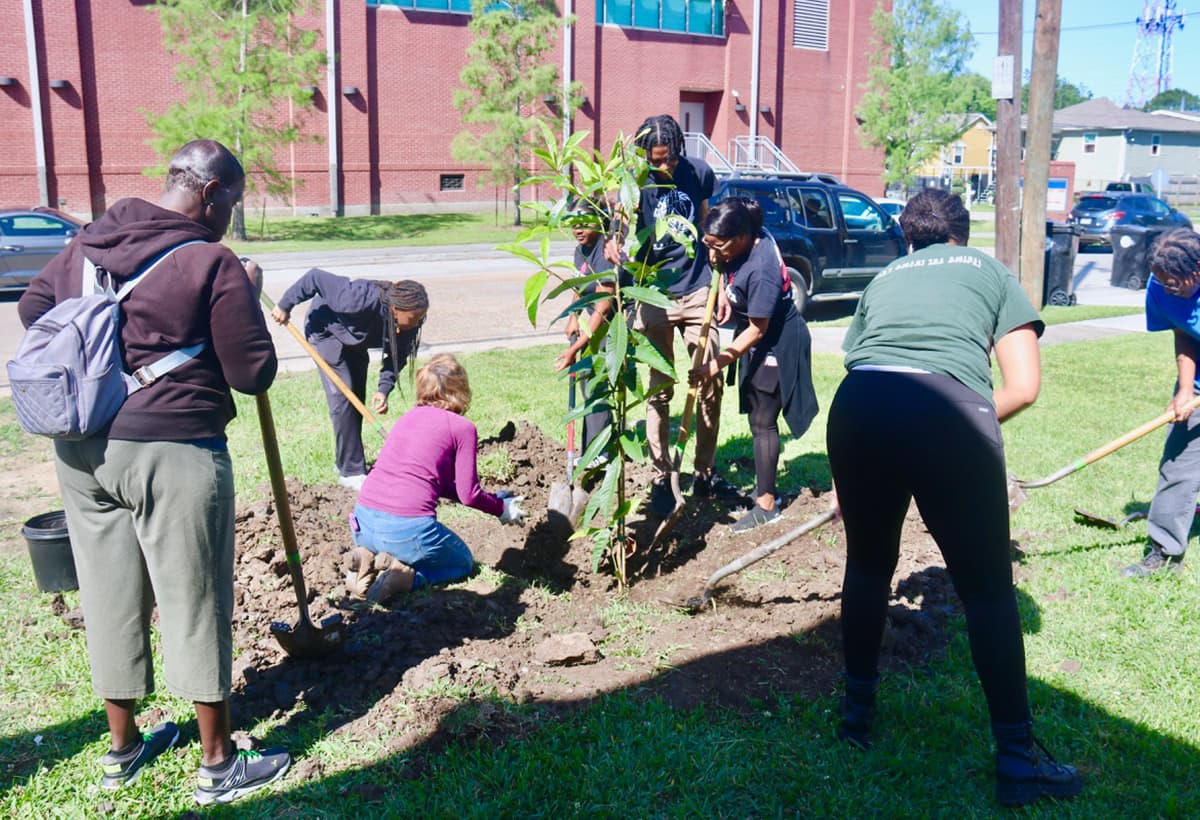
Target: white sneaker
{"type": "Point", "coordinates": [354, 482]}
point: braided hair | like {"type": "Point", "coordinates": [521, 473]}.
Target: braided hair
{"type": "Point", "coordinates": [1177, 254]}
{"type": "Point", "coordinates": [660, 130]}
{"type": "Point", "coordinates": [404, 295]}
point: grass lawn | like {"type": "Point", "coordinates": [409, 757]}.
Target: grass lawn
{"type": "Point", "coordinates": [1112, 663]}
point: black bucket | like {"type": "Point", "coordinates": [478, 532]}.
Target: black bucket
{"type": "Point", "coordinates": [50, 552]}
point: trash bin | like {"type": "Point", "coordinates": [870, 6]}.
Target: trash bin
{"type": "Point", "coordinates": [1058, 279]}
{"type": "Point", "coordinates": [50, 552]}
{"type": "Point", "coordinates": [1131, 255]}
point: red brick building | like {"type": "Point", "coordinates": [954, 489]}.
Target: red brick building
{"type": "Point", "coordinates": [87, 72]}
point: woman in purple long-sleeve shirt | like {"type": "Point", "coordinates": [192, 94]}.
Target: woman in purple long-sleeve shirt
{"type": "Point", "coordinates": [429, 455]}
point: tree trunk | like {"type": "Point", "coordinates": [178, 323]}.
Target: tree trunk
{"type": "Point", "coordinates": [237, 226]}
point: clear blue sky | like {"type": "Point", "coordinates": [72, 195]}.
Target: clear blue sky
{"type": "Point", "coordinates": [1097, 45]}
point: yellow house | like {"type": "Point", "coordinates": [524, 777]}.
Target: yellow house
{"type": "Point", "coordinates": [970, 157]}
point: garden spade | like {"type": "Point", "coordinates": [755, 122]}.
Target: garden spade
{"type": "Point", "coordinates": [329, 372]}
{"type": "Point", "coordinates": [1092, 519]}
{"type": "Point", "coordinates": [305, 639]}
{"type": "Point", "coordinates": [685, 423]}
{"type": "Point", "coordinates": [1016, 486]}
{"type": "Point", "coordinates": [696, 603]}
{"type": "Point", "coordinates": [566, 499]}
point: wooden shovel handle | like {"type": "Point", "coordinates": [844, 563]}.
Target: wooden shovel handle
{"type": "Point", "coordinates": [329, 372]}
{"type": "Point", "coordinates": [689, 406]}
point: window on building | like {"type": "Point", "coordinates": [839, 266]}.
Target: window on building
{"type": "Point", "coordinates": [960, 151]}
{"type": "Point", "coordinates": [451, 6]}
{"type": "Point", "coordinates": [451, 182]}
{"type": "Point", "coordinates": [1155, 144]}
{"type": "Point", "coordinates": [810, 24]}
{"type": "Point", "coordinates": [1089, 143]}
{"type": "Point", "coordinates": [686, 16]}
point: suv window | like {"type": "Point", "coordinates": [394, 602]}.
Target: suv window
{"type": "Point", "coordinates": [1097, 203]}
{"type": "Point", "coordinates": [32, 225]}
{"type": "Point", "coordinates": [814, 205]}
{"type": "Point", "coordinates": [861, 214]}
{"type": "Point", "coordinates": [1157, 206]}
{"type": "Point", "coordinates": [774, 205]}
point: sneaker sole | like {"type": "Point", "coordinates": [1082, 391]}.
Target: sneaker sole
{"type": "Point", "coordinates": [205, 798]}
{"type": "Point", "coordinates": [112, 786]}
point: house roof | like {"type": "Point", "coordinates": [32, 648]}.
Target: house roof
{"type": "Point", "coordinates": [1102, 114]}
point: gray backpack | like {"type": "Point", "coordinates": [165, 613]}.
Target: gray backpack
{"type": "Point", "coordinates": [67, 378]}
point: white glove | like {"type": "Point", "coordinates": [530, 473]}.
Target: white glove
{"type": "Point", "coordinates": [503, 494]}
{"type": "Point", "coordinates": [513, 514]}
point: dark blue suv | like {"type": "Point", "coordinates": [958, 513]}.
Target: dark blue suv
{"type": "Point", "coordinates": [834, 239]}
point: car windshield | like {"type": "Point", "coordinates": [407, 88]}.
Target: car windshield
{"type": "Point", "coordinates": [1096, 203]}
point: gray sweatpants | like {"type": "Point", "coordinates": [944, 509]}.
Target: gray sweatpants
{"type": "Point", "coordinates": [1174, 505]}
{"type": "Point", "coordinates": [152, 521]}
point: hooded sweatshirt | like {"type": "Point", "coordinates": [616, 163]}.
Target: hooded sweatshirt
{"type": "Point", "coordinates": [199, 294]}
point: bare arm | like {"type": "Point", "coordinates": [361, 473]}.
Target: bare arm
{"type": "Point", "coordinates": [737, 348]}
{"type": "Point", "coordinates": [1020, 371]}
{"type": "Point", "coordinates": [1186, 351]}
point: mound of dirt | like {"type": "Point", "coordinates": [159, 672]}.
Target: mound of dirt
{"type": "Point", "coordinates": [770, 628]}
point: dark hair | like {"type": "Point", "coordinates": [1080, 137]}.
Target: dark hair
{"type": "Point", "coordinates": [1176, 254]}
{"type": "Point", "coordinates": [734, 216]}
{"type": "Point", "coordinates": [935, 216]}
{"type": "Point", "coordinates": [404, 294]}
{"type": "Point", "coordinates": [198, 163]}
{"type": "Point", "coordinates": [588, 214]}
{"type": "Point", "coordinates": [660, 130]}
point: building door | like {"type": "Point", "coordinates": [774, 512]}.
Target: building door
{"type": "Point", "coordinates": [691, 116]}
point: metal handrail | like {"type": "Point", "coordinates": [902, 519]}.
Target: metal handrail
{"type": "Point", "coordinates": [698, 145]}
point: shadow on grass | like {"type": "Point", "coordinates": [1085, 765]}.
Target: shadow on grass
{"type": "Point", "coordinates": [26, 753]}
{"type": "Point", "coordinates": [358, 228]}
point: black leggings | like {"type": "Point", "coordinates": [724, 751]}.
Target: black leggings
{"type": "Point", "coordinates": [893, 437]}
{"type": "Point", "coordinates": [763, 409]}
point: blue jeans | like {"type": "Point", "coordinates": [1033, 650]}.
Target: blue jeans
{"type": "Point", "coordinates": [428, 546]}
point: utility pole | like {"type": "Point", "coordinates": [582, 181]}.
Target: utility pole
{"type": "Point", "coordinates": [1006, 88]}
{"type": "Point", "coordinates": [1037, 147]}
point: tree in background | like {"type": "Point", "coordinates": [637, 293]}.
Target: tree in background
{"type": "Point", "coordinates": [505, 83]}
{"type": "Point", "coordinates": [1174, 99]}
{"type": "Point", "coordinates": [975, 92]}
{"type": "Point", "coordinates": [918, 56]}
{"type": "Point", "coordinates": [1066, 93]}
{"type": "Point", "coordinates": [238, 62]}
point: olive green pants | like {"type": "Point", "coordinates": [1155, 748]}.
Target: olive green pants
{"type": "Point", "coordinates": [152, 521]}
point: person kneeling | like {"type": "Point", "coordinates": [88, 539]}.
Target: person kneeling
{"type": "Point", "coordinates": [430, 454]}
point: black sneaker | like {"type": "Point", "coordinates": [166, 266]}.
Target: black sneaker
{"type": "Point", "coordinates": [1026, 772]}
{"type": "Point", "coordinates": [756, 518]}
{"type": "Point", "coordinates": [1155, 561]}
{"type": "Point", "coordinates": [122, 768]}
{"type": "Point", "coordinates": [713, 485]}
{"type": "Point", "coordinates": [246, 773]}
{"type": "Point", "coordinates": [662, 500]}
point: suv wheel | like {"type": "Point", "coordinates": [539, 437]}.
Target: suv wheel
{"type": "Point", "coordinates": [799, 289]}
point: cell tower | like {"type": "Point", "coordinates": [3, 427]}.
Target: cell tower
{"type": "Point", "coordinates": [1154, 52]}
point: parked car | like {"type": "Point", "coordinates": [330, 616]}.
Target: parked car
{"type": "Point", "coordinates": [1097, 213]}
{"type": "Point", "coordinates": [28, 240]}
{"type": "Point", "coordinates": [833, 238]}
{"type": "Point", "coordinates": [891, 207]}
{"type": "Point", "coordinates": [1132, 187]}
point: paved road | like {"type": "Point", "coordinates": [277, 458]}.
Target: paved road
{"type": "Point", "coordinates": [476, 294]}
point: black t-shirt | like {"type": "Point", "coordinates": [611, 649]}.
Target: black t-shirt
{"type": "Point", "coordinates": [589, 261]}
{"type": "Point", "coordinates": [758, 286]}
{"type": "Point", "coordinates": [679, 197]}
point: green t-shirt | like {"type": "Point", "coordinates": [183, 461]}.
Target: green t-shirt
{"type": "Point", "coordinates": [940, 309]}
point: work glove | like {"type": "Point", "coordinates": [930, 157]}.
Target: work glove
{"type": "Point", "coordinates": [513, 514]}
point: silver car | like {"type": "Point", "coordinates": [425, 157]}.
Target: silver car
{"type": "Point", "coordinates": [30, 239]}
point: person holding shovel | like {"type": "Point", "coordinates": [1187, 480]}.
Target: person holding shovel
{"type": "Point", "coordinates": [347, 318]}
{"type": "Point", "coordinates": [150, 502]}
{"type": "Point", "coordinates": [1172, 298]}
{"type": "Point", "coordinates": [917, 419]}
{"type": "Point", "coordinates": [430, 454]}
{"type": "Point", "coordinates": [772, 342]}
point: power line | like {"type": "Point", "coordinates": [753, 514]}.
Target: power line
{"type": "Point", "coordinates": [1090, 27]}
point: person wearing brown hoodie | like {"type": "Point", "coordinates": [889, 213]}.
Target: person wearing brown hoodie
{"type": "Point", "coordinates": [150, 501]}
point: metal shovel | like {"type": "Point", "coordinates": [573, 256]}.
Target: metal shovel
{"type": "Point", "coordinates": [566, 499]}
{"type": "Point", "coordinates": [305, 639]}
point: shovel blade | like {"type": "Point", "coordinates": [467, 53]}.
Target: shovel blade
{"type": "Point", "coordinates": [308, 641]}
{"type": "Point", "coordinates": [1085, 517]}
{"type": "Point", "coordinates": [559, 500]}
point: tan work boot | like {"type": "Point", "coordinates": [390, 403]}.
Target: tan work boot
{"type": "Point", "coordinates": [396, 578]}
{"type": "Point", "coordinates": [360, 571]}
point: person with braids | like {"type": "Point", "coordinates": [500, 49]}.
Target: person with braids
{"type": "Point", "coordinates": [917, 419]}
{"type": "Point", "coordinates": [772, 342]}
{"type": "Point", "coordinates": [678, 192]}
{"type": "Point", "coordinates": [1172, 298]}
{"type": "Point", "coordinates": [347, 318]}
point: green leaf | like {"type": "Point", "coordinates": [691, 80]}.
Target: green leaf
{"type": "Point", "coordinates": [646, 353]}
{"type": "Point", "coordinates": [601, 542]}
{"type": "Point", "coordinates": [648, 295]}
{"type": "Point", "coordinates": [597, 446]}
{"type": "Point", "coordinates": [533, 294]}
{"type": "Point", "coordinates": [618, 341]}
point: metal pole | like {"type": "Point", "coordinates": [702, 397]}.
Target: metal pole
{"type": "Point", "coordinates": [1037, 147]}
{"type": "Point", "coordinates": [568, 67]}
{"type": "Point", "coordinates": [35, 106]}
{"type": "Point", "coordinates": [333, 98]}
{"type": "Point", "coordinates": [756, 48]}
{"type": "Point", "coordinates": [1008, 140]}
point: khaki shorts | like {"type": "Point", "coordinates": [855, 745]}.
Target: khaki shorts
{"type": "Point", "coordinates": [152, 521]}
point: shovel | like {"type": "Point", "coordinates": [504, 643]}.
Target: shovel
{"type": "Point", "coordinates": [566, 499]}
{"type": "Point", "coordinates": [1092, 519]}
{"type": "Point", "coordinates": [329, 372]}
{"type": "Point", "coordinates": [1016, 486]}
{"type": "Point", "coordinates": [698, 602]}
{"type": "Point", "coordinates": [685, 423]}
{"type": "Point", "coordinates": [305, 639]}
